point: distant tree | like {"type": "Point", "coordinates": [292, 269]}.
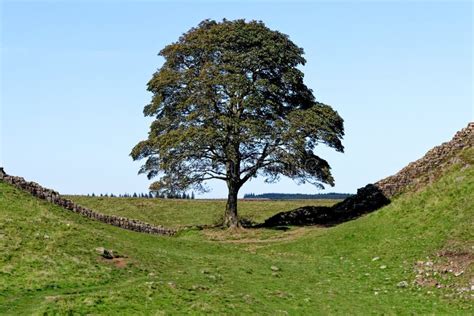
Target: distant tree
{"type": "Point", "coordinates": [93, 194]}
{"type": "Point", "coordinates": [135, 195]}
{"type": "Point", "coordinates": [192, 195]}
{"type": "Point", "coordinates": [229, 103]}
{"type": "Point", "coordinates": [297, 196]}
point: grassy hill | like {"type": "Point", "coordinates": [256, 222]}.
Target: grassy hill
{"type": "Point", "coordinates": [394, 261]}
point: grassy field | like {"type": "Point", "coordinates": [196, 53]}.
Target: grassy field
{"type": "Point", "coordinates": [178, 213]}
{"type": "Point", "coordinates": [49, 263]}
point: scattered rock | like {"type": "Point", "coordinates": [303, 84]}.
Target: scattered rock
{"type": "Point", "coordinates": [402, 284]}
{"type": "Point", "coordinates": [436, 273]}
{"type": "Point", "coordinates": [275, 268]}
{"type": "Point", "coordinates": [375, 258]}
{"type": "Point", "coordinates": [108, 254]}
{"type": "Point", "coordinates": [383, 267]}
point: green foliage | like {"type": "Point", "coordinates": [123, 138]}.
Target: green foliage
{"type": "Point", "coordinates": [48, 262]}
{"type": "Point", "coordinates": [229, 103]}
{"type": "Point", "coordinates": [297, 196]}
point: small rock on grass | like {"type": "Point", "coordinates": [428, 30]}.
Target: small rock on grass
{"type": "Point", "coordinates": [106, 253]}
{"type": "Point", "coordinates": [275, 268]}
{"type": "Point", "coordinates": [402, 284]}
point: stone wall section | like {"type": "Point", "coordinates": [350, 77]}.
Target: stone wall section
{"type": "Point", "coordinates": [374, 196]}
{"type": "Point", "coordinates": [430, 167]}
{"type": "Point", "coordinates": [54, 197]}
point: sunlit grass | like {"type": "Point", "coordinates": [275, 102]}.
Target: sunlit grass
{"type": "Point", "coordinates": [48, 262]}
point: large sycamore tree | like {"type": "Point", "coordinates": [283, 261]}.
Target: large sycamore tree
{"type": "Point", "coordinates": [229, 103]}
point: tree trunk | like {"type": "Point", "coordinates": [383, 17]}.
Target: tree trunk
{"type": "Point", "coordinates": [231, 219]}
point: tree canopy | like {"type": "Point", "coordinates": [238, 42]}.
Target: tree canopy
{"type": "Point", "coordinates": [230, 103]}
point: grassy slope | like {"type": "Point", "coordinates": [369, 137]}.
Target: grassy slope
{"type": "Point", "coordinates": [48, 262]}
{"type": "Point", "coordinates": [175, 213]}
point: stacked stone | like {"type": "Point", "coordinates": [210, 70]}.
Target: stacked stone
{"type": "Point", "coordinates": [374, 196]}
{"type": "Point", "coordinates": [367, 199]}
{"type": "Point", "coordinates": [54, 197]}
{"type": "Point", "coordinates": [430, 166]}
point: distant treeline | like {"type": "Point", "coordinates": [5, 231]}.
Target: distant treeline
{"type": "Point", "coordinates": [297, 196]}
{"type": "Point", "coordinates": [150, 195]}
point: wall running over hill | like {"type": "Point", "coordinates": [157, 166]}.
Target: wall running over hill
{"type": "Point", "coordinates": [374, 196]}
{"type": "Point", "coordinates": [54, 197]}
{"type": "Point", "coordinates": [430, 167]}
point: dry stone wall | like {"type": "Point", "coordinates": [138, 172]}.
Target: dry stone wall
{"type": "Point", "coordinates": [374, 196]}
{"type": "Point", "coordinates": [430, 167]}
{"type": "Point", "coordinates": [54, 197]}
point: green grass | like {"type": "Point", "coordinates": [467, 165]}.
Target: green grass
{"type": "Point", "coordinates": [178, 213]}
{"type": "Point", "coordinates": [48, 263]}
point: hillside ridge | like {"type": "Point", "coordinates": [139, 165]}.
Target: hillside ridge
{"type": "Point", "coordinates": [430, 167]}
{"type": "Point", "coordinates": [55, 198]}
{"type": "Point", "coordinates": [414, 176]}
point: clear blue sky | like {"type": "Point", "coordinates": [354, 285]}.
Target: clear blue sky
{"type": "Point", "coordinates": [74, 80]}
